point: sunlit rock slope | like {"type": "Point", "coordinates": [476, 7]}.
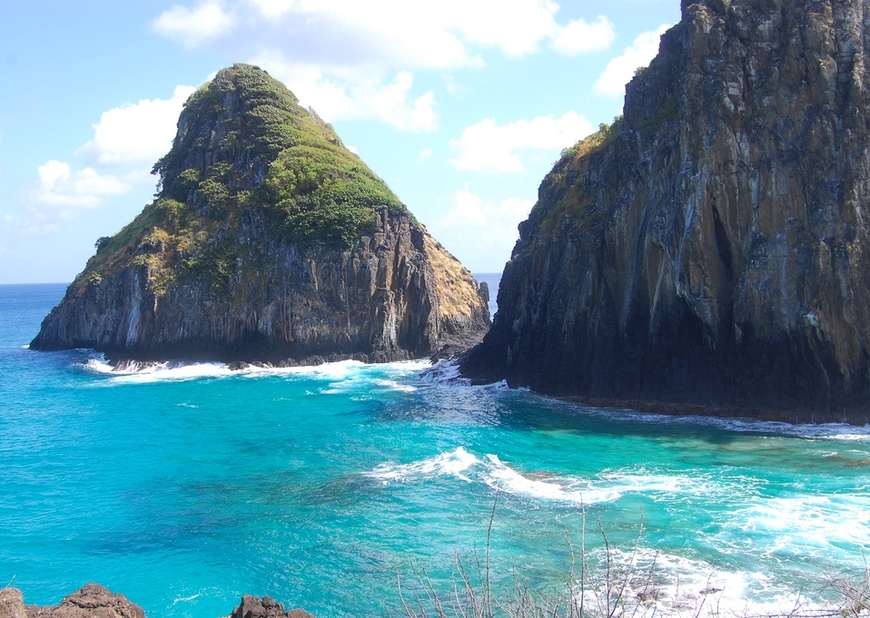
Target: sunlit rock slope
{"type": "Point", "coordinates": [268, 241]}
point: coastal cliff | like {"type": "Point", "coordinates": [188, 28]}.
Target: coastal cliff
{"type": "Point", "coordinates": [269, 241]}
{"type": "Point", "coordinates": [708, 252]}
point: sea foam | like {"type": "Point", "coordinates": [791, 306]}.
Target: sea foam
{"type": "Point", "coordinates": [653, 583]}
{"type": "Point", "coordinates": [491, 471]}
{"type": "Point", "coordinates": [386, 375]}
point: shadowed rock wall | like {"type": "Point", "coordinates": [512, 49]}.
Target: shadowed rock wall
{"type": "Point", "coordinates": [379, 301]}
{"type": "Point", "coordinates": [709, 251]}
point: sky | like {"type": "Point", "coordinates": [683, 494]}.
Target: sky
{"type": "Point", "coordinates": [461, 106]}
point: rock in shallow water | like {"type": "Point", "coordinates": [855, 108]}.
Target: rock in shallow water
{"type": "Point", "coordinates": [710, 251]}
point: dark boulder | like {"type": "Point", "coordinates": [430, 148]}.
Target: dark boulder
{"type": "Point", "coordinates": [266, 607]}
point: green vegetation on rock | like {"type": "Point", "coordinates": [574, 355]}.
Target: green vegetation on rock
{"type": "Point", "coordinates": [244, 144]}
{"type": "Point", "coordinates": [267, 241]}
{"type": "Point", "coordinates": [577, 203]}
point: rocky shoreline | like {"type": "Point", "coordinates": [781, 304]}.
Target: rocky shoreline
{"type": "Point", "coordinates": [96, 601]}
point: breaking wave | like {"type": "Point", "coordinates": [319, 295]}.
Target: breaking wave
{"type": "Point", "coordinates": [341, 375]}
{"type": "Point", "coordinates": [491, 471]}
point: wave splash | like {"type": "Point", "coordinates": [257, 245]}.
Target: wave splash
{"type": "Point", "coordinates": [491, 471]}
{"type": "Point", "coordinates": [444, 372]}
{"type": "Point", "coordinates": [390, 376]}
{"type": "Point", "coordinates": [652, 583]}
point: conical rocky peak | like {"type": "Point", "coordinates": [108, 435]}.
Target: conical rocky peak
{"type": "Point", "coordinates": [709, 251]}
{"type": "Point", "coordinates": [268, 241]}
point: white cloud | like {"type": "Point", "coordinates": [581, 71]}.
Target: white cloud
{"type": "Point", "coordinates": [192, 27]}
{"type": "Point", "coordinates": [515, 26]}
{"type": "Point", "coordinates": [126, 142]}
{"type": "Point", "coordinates": [356, 94]}
{"type": "Point", "coordinates": [136, 133]}
{"type": "Point", "coordinates": [353, 60]}
{"type": "Point", "coordinates": [487, 147]}
{"type": "Point", "coordinates": [489, 228]}
{"type": "Point", "coordinates": [580, 36]}
{"type": "Point", "coordinates": [390, 33]}
{"type": "Point", "coordinates": [620, 70]}
{"type": "Point", "coordinates": [67, 191]}
{"type": "Point", "coordinates": [425, 154]}
{"type": "Point", "coordinates": [274, 8]}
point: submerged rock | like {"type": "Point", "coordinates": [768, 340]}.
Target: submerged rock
{"type": "Point", "coordinates": [709, 252]}
{"type": "Point", "coordinates": [269, 241]}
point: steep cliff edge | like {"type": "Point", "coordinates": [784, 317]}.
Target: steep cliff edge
{"type": "Point", "coordinates": [709, 251]}
{"type": "Point", "coordinates": [268, 241]}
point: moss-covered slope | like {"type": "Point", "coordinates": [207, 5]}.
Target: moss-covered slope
{"type": "Point", "coordinates": [268, 240]}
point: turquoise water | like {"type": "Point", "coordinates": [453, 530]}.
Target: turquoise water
{"type": "Point", "coordinates": [185, 487]}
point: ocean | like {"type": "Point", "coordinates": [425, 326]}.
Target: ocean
{"type": "Point", "coordinates": [330, 487]}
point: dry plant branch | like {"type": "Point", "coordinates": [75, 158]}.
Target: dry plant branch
{"type": "Point", "coordinates": [624, 590]}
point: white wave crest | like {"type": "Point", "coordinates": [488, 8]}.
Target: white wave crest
{"type": "Point", "coordinates": [454, 463]}
{"type": "Point", "coordinates": [491, 471]}
{"type": "Point", "coordinates": [341, 376]}
{"type": "Point", "coordinates": [133, 372]}
{"type": "Point", "coordinates": [393, 385]}
{"type": "Point", "coordinates": [822, 525]}
{"type": "Point", "coordinates": [505, 478]}
{"type": "Point", "coordinates": [651, 583]}
{"type": "Point", "coordinates": [444, 372]}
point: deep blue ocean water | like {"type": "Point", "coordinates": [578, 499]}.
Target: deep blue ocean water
{"type": "Point", "coordinates": [185, 487]}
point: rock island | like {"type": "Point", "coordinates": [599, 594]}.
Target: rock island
{"type": "Point", "coordinates": [268, 241]}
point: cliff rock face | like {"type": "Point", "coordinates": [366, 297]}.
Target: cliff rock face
{"type": "Point", "coordinates": [709, 250]}
{"type": "Point", "coordinates": [269, 241]}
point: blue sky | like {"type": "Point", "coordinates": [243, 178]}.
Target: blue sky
{"type": "Point", "coordinates": [461, 106]}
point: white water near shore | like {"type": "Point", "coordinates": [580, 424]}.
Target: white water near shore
{"type": "Point", "coordinates": [184, 486]}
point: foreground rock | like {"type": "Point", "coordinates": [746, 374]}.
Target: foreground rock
{"type": "Point", "coordinates": [269, 242]}
{"type": "Point", "coordinates": [709, 252]}
{"type": "Point", "coordinates": [255, 607]}
{"type": "Point", "coordinates": [90, 601]}
{"type": "Point", "coordinates": [96, 601]}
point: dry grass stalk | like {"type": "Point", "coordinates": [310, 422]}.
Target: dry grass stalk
{"type": "Point", "coordinates": [626, 591]}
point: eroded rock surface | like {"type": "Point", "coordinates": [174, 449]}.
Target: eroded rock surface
{"type": "Point", "coordinates": [709, 251]}
{"type": "Point", "coordinates": [90, 601]}
{"type": "Point", "coordinates": [12, 604]}
{"type": "Point", "coordinates": [96, 601]}
{"type": "Point", "coordinates": [269, 242]}
{"type": "Point", "coordinates": [266, 607]}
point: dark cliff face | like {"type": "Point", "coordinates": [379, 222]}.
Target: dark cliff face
{"type": "Point", "coordinates": [709, 251]}
{"type": "Point", "coordinates": [269, 241]}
